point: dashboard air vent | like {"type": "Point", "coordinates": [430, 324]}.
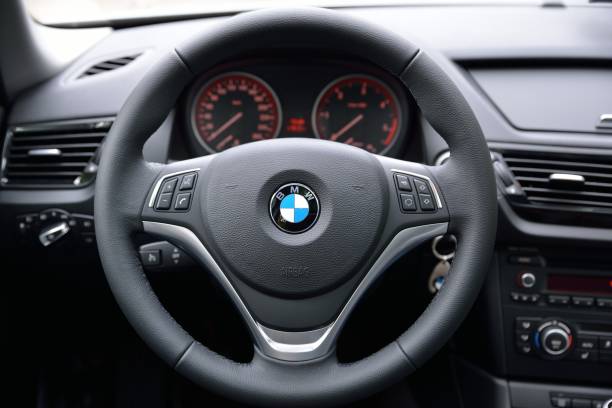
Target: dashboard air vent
{"type": "Point", "coordinates": [574, 182]}
{"type": "Point", "coordinates": [53, 155]}
{"type": "Point", "coordinates": [108, 65]}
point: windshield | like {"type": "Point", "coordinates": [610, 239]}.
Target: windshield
{"type": "Point", "coordinates": [63, 12]}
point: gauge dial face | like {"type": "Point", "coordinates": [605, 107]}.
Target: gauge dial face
{"type": "Point", "coordinates": [358, 110]}
{"type": "Point", "coordinates": [235, 108]}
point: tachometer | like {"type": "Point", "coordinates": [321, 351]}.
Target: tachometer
{"type": "Point", "coordinates": [358, 110]}
{"type": "Point", "coordinates": [235, 108]}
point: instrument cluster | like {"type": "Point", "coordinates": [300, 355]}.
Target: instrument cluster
{"type": "Point", "coordinates": [255, 100]}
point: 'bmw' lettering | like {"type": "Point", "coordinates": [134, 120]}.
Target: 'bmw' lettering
{"type": "Point", "coordinates": [294, 208]}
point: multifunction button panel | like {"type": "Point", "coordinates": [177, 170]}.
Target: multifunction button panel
{"type": "Point", "coordinates": [415, 193]}
{"type": "Point", "coordinates": [175, 192]}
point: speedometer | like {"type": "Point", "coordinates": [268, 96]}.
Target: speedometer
{"type": "Point", "coordinates": [358, 110]}
{"type": "Point", "coordinates": [235, 108]}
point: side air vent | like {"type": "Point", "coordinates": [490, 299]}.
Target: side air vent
{"type": "Point", "coordinates": [108, 65]}
{"type": "Point", "coordinates": [53, 155]}
{"type": "Point", "coordinates": [578, 183]}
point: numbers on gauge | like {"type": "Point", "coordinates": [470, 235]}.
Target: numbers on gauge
{"type": "Point", "coordinates": [358, 110]}
{"type": "Point", "coordinates": [235, 108]}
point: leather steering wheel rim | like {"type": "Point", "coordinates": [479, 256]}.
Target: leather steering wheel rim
{"type": "Point", "coordinates": [466, 183]}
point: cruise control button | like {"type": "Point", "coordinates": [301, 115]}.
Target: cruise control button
{"type": "Point", "coordinates": [168, 186]}
{"type": "Point", "coordinates": [408, 203]}
{"type": "Point", "coordinates": [403, 182]}
{"type": "Point", "coordinates": [421, 187]}
{"type": "Point", "coordinates": [426, 202]}
{"type": "Point", "coordinates": [187, 181]}
{"type": "Point", "coordinates": [182, 201]}
{"type": "Point", "coordinates": [164, 201]}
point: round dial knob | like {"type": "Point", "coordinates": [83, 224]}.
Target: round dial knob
{"type": "Point", "coordinates": [554, 338]}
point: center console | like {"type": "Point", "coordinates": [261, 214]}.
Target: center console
{"type": "Point", "coordinates": [557, 315]}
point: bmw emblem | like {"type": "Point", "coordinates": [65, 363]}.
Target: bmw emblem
{"type": "Point", "coordinates": [294, 208]}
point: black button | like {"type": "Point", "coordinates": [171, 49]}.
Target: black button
{"type": "Point", "coordinates": [421, 187]}
{"type": "Point", "coordinates": [558, 300]}
{"type": "Point", "coordinates": [524, 348]}
{"type": "Point", "coordinates": [585, 355]}
{"type": "Point", "coordinates": [532, 260]}
{"type": "Point", "coordinates": [88, 239]}
{"type": "Point", "coordinates": [403, 182]}
{"type": "Point", "coordinates": [182, 201]}
{"type": "Point", "coordinates": [408, 203]}
{"type": "Point", "coordinates": [426, 202]}
{"type": "Point", "coordinates": [523, 337]}
{"type": "Point", "coordinates": [187, 181]}
{"type": "Point", "coordinates": [526, 323]}
{"type": "Point", "coordinates": [164, 201]}
{"type": "Point", "coordinates": [581, 403]}
{"type": "Point", "coordinates": [168, 186]}
{"type": "Point", "coordinates": [151, 257]}
{"type": "Point", "coordinates": [605, 356]}
{"type": "Point", "coordinates": [604, 302]}
{"type": "Point", "coordinates": [582, 301]}
{"type": "Point", "coordinates": [587, 342]}
{"type": "Point", "coordinates": [605, 343]}
{"type": "Point", "coordinates": [555, 341]}
{"type": "Point", "coordinates": [560, 402]}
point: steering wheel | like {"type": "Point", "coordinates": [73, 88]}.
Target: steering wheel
{"type": "Point", "coordinates": [295, 230]}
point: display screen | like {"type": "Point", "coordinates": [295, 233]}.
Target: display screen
{"type": "Point", "coordinates": [580, 284]}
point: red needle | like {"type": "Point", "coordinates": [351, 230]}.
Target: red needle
{"type": "Point", "coordinates": [223, 127]}
{"type": "Point", "coordinates": [347, 127]}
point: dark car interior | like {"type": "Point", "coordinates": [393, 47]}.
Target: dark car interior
{"type": "Point", "coordinates": [404, 204]}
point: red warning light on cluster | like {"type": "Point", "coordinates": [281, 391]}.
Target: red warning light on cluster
{"type": "Point", "coordinates": [296, 125]}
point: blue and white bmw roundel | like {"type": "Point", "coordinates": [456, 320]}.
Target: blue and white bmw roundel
{"type": "Point", "coordinates": [294, 208]}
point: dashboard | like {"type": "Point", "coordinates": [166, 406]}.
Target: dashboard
{"type": "Point", "coordinates": [540, 94]}
{"type": "Point", "coordinates": [258, 99]}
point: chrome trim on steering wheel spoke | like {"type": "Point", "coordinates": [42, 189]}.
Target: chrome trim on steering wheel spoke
{"type": "Point", "coordinates": [305, 345]}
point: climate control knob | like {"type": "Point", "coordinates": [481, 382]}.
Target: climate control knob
{"type": "Point", "coordinates": [554, 339]}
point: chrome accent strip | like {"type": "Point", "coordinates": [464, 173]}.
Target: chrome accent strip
{"type": "Point", "coordinates": [307, 345]}
{"type": "Point", "coordinates": [44, 152]}
{"type": "Point", "coordinates": [161, 180]}
{"type": "Point", "coordinates": [574, 178]}
{"type": "Point", "coordinates": [442, 157]}
{"type": "Point", "coordinates": [431, 184]}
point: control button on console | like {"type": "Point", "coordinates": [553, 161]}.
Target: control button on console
{"type": "Point", "coordinates": [585, 355]}
{"type": "Point", "coordinates": [403, 182]}
{"type": "Point", "coordinates": [527, 280]}
{"type": "Point", "coordinates": [605, 343]}
{"type": "Point", "coordinates": [182, 201]}
{"type": "Point", "coordinates": [408, 202]}
{"type": "Point", "coordinates": [524, 348]}
{"type": "Point", "coordinates": [582, 301]}
{"type": "Point", "coordinates": [587, 342]}
{"type": "Point", "coordinates": [526, 323]}
{"type": "Point", "coordinates": [561, 300]}
{"type": "Point", "coordinates": [426, 202]}
{"type": "Point", "coordinates": [605, 357]}
{"type": "Point", "coordinates": [524, 337]}
{"type": "Point", "coordinates": [169, 185]}
{"type": "Point", "coordinates": [187, 181]}
{"type": "Point", "coordinates": [604, 303]}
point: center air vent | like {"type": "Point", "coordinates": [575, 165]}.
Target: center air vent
{"type": "Point", "coordinates": [579, 183]}
{"type": "Point", "coordinates": [108, 65]}
{"type": "Point", "coordinates": [52, 155]}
